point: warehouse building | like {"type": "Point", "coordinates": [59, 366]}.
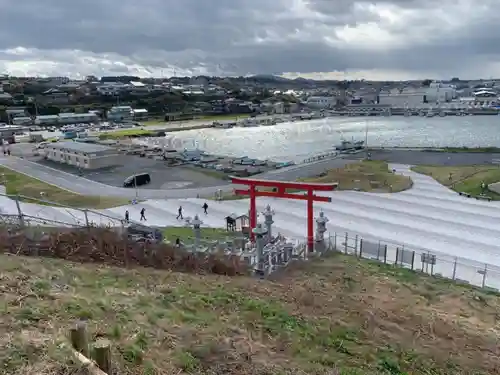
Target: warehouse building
{"type": "Point", "coordinates": [82, 155]}
{"type": "Point", "coordinates": [60, 119]}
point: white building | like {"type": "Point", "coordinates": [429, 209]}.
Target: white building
{"type": "Point", "coordinates": [140, 114]}
{"type": "Point", "coordinates": [82, 155]}
{"type": "Point", "coordinates": [121, 113]}
{"type": "Point", "coordinates": [439, 92]}
{"type": "Point", "coordinates": [321, 101]}
{"type": "Point", "coordinates": [409, 97]}
{"type": "Point", "coordinates": [77, 118]}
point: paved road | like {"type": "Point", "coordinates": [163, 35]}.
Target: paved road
{"type": "Point", "coordinates": [83, 186]}
{"type": "Point", "coordinates": [194, 123]}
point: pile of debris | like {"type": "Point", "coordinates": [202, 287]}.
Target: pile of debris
{"type": "Point", "coordinates": [108, 246]}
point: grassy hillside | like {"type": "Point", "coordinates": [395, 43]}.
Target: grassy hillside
{"type": "Point", "coordinates": [330, 316]}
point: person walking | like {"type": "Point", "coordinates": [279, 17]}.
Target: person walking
{"type": "Point", "coordinates": [179, 213]}
{"type": "Point", "coordinates": [143, 216]}
{"type": "Point", "coordinates": [127, 217]}
{"type": "Point", "coordinates": [205, 207]}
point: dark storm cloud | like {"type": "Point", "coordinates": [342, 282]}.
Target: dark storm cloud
{"type": "Point", "coordinates": [257, 36]}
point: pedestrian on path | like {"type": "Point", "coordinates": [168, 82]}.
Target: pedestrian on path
{"type": "Point", "coordinates": [127, 217]}
{"type": "Point", "coordinates": [179, 215]}
{"type": "Point", "coordinates": [143, 216]}
{"type": "Point", "coordinates": [205, 207]}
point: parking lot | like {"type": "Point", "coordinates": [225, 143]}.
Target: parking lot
{"type": "Point", "coordinates": [162, 177]}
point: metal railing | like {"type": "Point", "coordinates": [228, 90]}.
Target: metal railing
{"type": "Point", "coordinates": [323, 156]}
{"type": "Point", "coordinates": [460, 270]}
{"type": "Point", "coordinates": [14, 210]}
{"type": "Point", "coordinates": [278, 255]}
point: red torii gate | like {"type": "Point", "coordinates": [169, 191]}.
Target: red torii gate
{"type": "Point", "coordinates": [279, 190]}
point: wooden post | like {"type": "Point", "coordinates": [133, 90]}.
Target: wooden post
{"type": "Point", "coordinates": [102, 355]}
{"type": "Point", "coordinates": [79, 339]}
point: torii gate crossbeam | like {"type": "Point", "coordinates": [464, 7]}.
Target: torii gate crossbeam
{"type": "Point", "coordinates": [306, 192]}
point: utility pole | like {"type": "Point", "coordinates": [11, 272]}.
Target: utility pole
{"type": "Point", "coordinates": [366, 140]}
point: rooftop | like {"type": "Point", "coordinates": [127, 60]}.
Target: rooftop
{"type": "Point", "coordinates": [81, 147]}
{"type": "Point", "coordinates": [76, 115]}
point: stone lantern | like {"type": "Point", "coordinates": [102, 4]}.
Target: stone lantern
{"type": "Point", "coordinates": [260, 232]}
{"type": "Point", "coordinates": [196, 222]}
{"type": "Point", "coordinates": [268, 221]}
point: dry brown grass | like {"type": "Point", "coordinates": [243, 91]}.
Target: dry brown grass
{"type": "Point", "coordinates": [334, 315]}
{"type": "Point", "coordinates": [365, 176]}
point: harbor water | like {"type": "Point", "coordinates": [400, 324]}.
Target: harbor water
{"type": "Point", "coordinates": [299, 140]}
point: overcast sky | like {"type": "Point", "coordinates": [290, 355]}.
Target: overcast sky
{"type": "Point", "coordinates": [399, 39]}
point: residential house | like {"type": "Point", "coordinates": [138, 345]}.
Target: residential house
{"type": "Point", "coordinates": [5, 97]}
{"type": "Point", "coordinates": [137, 88]}
{"type": "Point", "coordinates": [239, 106]}
{"type": "Point", "coordinates": [53, 96]}
{"type": "Point", "coordinates": [120, 113]}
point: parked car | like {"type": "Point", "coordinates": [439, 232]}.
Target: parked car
{"type": "Point", "coordinates": [137, 180]}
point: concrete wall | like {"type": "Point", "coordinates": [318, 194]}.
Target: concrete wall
{"type": "Point", "coordinates": [401, 101]}
{"type": "Point", "coordinates": [104, 161]}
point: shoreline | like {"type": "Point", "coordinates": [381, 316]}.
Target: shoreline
{"type": "Point", "coordinates": [482, 150]}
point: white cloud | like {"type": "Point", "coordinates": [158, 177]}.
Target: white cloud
{"type": "Point", "coordinates": [365, 39]}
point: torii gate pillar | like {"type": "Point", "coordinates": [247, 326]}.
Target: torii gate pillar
{"type": "Point", "coordinates": [279, 190]}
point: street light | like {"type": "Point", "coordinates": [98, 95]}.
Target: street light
{"type": "Point", "coordinates": [135, 187]}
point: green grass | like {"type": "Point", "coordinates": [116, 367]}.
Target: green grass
{"type": "Point", "coordinates": [362, 176]}
{"type": "Point", "coordinates": [208, 118]}
{"type": "Point", "coordinates": [184, 233]}
{"type": "Point", "coordinates": [27, 187]}
{"type": "Point", "coordinates": [365, 175]}
{"type": "Point", "coordinates": [465, 179]}
{"type": "Point", "coordinates": [485, 150]}
{"type": "Point", "coordinates": [335, 315]}
{"type": "Point", "coordinates": [222, 117]}
{"type": "Point", "coordinates": [136, 132]}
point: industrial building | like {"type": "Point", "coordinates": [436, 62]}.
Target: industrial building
{"type": "Point", "coordinates": [82, 155]}
{"type": "Point", "coordinates": [410, 97]}
{"type": "Point", "coordinates": [321, 102]}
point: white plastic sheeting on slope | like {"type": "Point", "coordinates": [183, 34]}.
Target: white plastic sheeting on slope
{"type": "Point", "coordinates": [428, 217]}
